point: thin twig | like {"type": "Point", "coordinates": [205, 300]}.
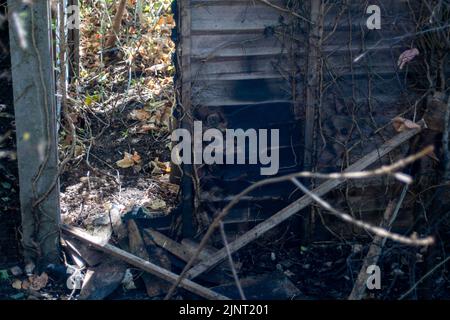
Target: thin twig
{"type": "Point", "coordinates": [230, 260]}
{"type": "Point", "coordinates": [424, 278]}
{"type": "Point", "coordinates": [285, 10]}
{"type": "Point", "coordinates": [445, 142]}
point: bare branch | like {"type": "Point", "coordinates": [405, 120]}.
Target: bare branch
{"type": "Point", "coordinates": [380, 232]}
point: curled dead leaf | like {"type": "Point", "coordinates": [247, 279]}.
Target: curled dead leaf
{"type": "Point", "coordinates": [407, 56]}
{"type": "Point", "coordinates": [136, 158]}
{"type": "Point", "coordinates": [160, 167]}
{"type": "Point", "coordinates": [126, 162]}
{"type": "Point", "coordinates": [17, 284]}
{"type": "Point", "coordinates": [140, 115]}
{"type": "Point", "coordinates": [129, 160]}
{"type": "Point", "coordinates": [402, 124]}
{"type": "Point", "coordinates": [147, 128]}
{"type": "Point", "coordinates": [158, 204]}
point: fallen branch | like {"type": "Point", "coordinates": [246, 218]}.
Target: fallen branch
{"type": "Point", "coordinates": [170, 245]}
{"type": "Point", "coordinates": [113, 34]}
{"type": "Point", "coordinates": [231, 262]}
{"type": "Point", "coordinates": [285, 213]}
{"type": "Point", "coordinates": [142, 264]}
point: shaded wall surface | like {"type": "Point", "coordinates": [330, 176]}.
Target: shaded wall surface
{"type": "Point", "coordinates": [313, 70]}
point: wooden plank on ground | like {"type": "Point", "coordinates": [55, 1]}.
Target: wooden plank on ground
{"type": "Point", "coordinates": [35, 117]}
{"type": "Point", "coordinates": [185, 251]}
{"type": "Point", "coordinates": [102, 280]}
{"type": "Point", "coordinates": [154, 286]}
{"type": "Point", "coordinates": [300, 204]}
{"type": "Point", "coordinates": [142, 264]}
{"type": "Point", "coordinates": [170, 245]}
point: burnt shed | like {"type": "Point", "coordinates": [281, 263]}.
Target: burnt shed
{"type": "Point", "coordinates": [315, 71]}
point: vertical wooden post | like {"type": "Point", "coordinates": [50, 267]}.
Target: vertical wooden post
{"type": "Point", "coordinates": [312, 98]}
{"type": "Point", "coordinates": [187, 181]}
{"type": "Point", "coordinates": [313, 80]}
{"type": "Point", "coordinates": [34, 103]}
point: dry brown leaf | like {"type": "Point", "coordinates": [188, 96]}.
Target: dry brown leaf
{"type": "Point", "coordinates": [126, 162]}
{"type": "Point", "coordinates": [38, 282]}
{"type": "Point", "coordinates": [160, 167]}
{"type": "Point", "coordinates": [17, 284]}
{"type": "Point", "coordinates": [147, 128]}
{"type": "Point", "coordinates": [140, 115]}
{"type": "Point", "coordinates": [170, 20]}
{"type": "Point", "coordinates": [161, 21]}
{"type": "Point", "coordinates": [136, 158]}
{"type": "Point", "coordinates": [158, 204]}
{"type": "Point", "coordinates": [26, 285]}
{"type": "Point", "coordinates": [402, 124]}
{"type": "Point", "coordinates": [129, 160]}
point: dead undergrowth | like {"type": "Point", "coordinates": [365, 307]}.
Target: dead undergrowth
{"type": "Point", "coordinates": [121, 106]}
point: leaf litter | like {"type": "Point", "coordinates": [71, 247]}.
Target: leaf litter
{"type": "Point", "coordinates": [121, 105]}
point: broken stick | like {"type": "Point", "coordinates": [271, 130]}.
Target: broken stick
{"type": "Point", "coordinates": [301, 203]}
{"type": "Point", "coordinates": [141, 263]}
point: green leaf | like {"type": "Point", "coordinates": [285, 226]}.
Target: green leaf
{"type": "Point", "coordinates": [4, 275]}
{"type": "Point", "coordinates": [6, 185]}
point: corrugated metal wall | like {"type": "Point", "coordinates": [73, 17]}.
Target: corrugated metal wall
{"type": "Point", "coordinates": [245, 64]}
